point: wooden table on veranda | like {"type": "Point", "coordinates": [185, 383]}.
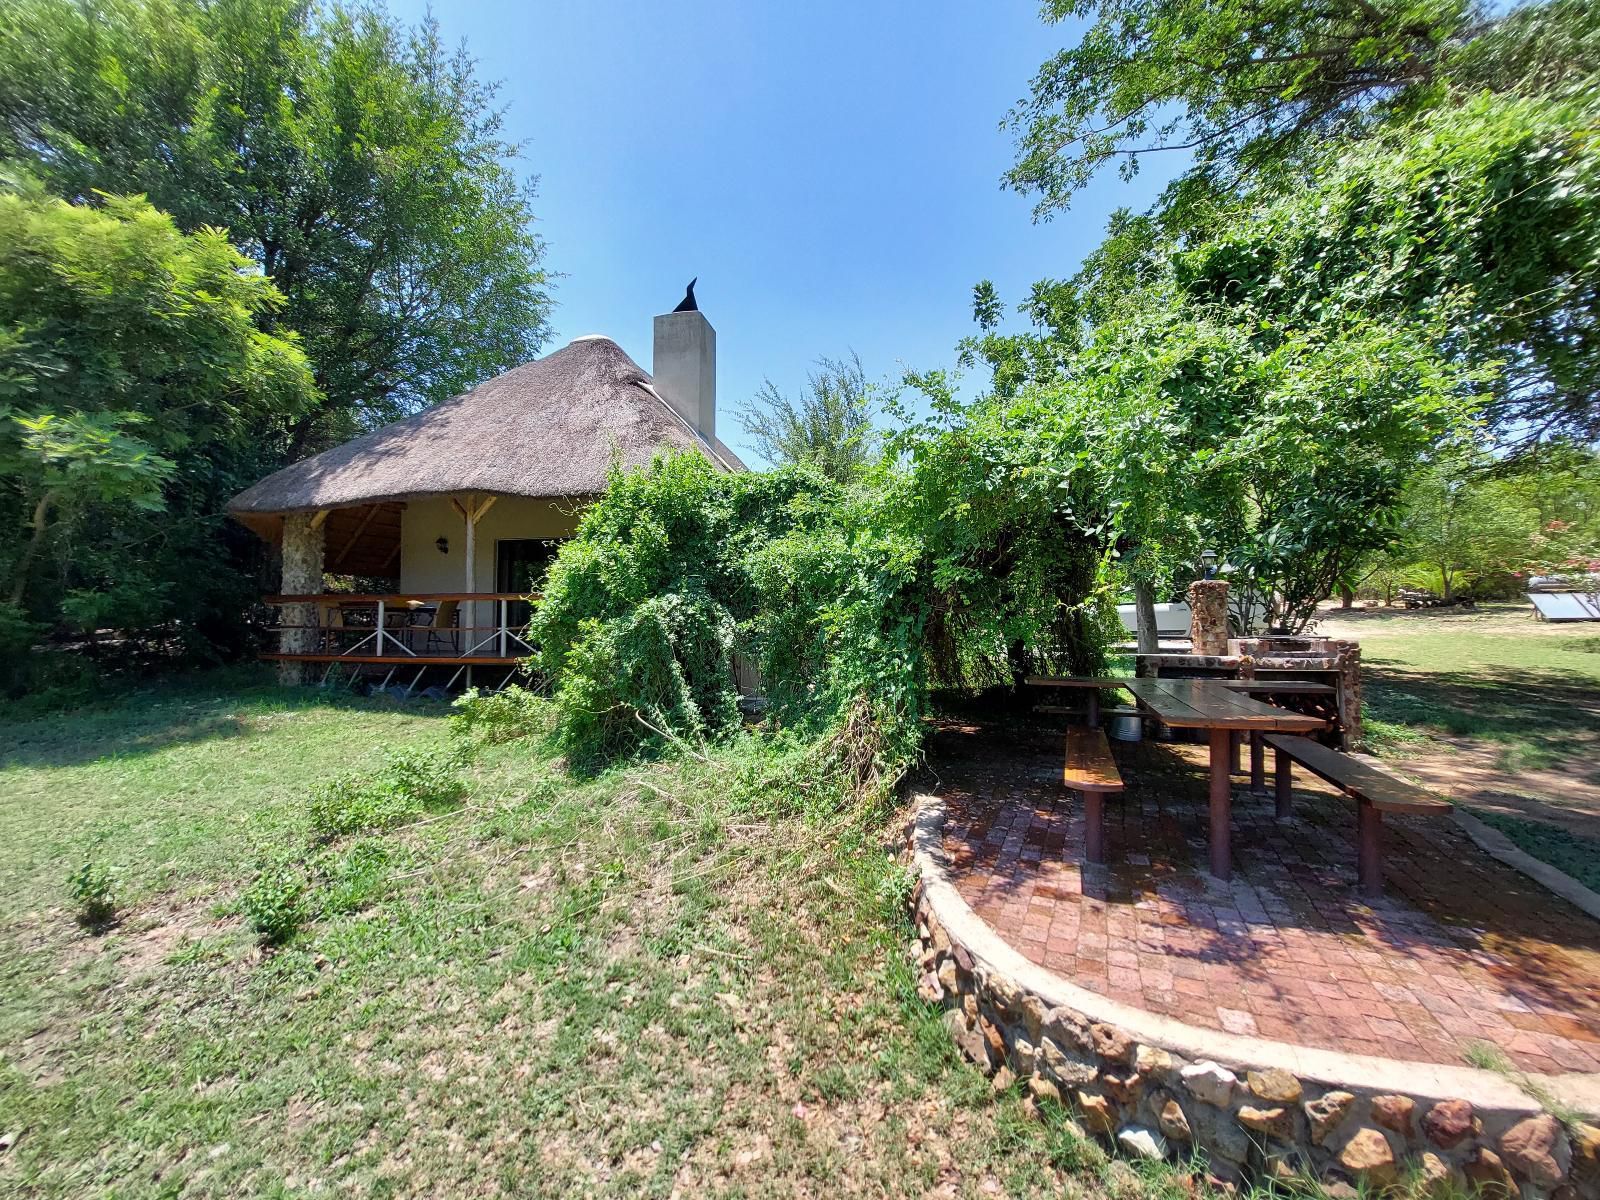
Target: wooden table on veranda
{"type": "Point", "coordinates": [1222, 711]}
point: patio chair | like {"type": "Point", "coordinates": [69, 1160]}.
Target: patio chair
{"type": "Point", "coordinates": [330, 618]}
{"type": "Point", "coordinates": [441, 627]}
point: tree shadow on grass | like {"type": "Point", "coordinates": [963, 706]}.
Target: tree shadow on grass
{"type": "Point", "coordinates": [1549, 711]}
{"type": "Point", "coordinates": [180, 712]}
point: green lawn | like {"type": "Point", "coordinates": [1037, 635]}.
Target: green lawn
{"type": "Point", "coordinates": [1577, 856]}
{"type": "Point", "coordinates": [1494, 674]}
{"type": "Point", "coordinates": [661, 978]}
{"type": "Point", "coordinates": [666, 978]}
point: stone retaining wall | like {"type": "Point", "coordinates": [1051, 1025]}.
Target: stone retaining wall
{"type": "Point", "coordinates": [1257, 1109]}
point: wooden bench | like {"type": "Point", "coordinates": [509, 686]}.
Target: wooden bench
{"type": "Point", "coordinates": [1374, 790]}
{"type": "Point", "coordinates": [1091, 770]}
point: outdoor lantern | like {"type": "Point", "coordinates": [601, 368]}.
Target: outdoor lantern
{"type": "Point", "coordinates": [1208, 561]}
{"type": "Point", "coordinates": [444, 544]}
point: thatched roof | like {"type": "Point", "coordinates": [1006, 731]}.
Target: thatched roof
{"type": "Point", "coordinates": [549, 428]}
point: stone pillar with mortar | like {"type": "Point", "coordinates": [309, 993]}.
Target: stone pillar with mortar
{"type": "Point", "coordinates": [302, 576]}
{"type": "Point", "coordinates": [1208, 616]}
{"type": "Point", "coordinates": [1348, 656]}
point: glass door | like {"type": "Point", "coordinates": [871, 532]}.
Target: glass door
{"type": "Point", "coordinates": [519, 566]}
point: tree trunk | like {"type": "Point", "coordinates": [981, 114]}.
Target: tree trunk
{"type": "Point", "coordinates": [1019, 663]}
{"type": "Point", "coordinates": [41, 515]}
{"type": "Point", "coordinates": [1347, 598]}
{"type": "Point", "coordinates": [1144, 607]}
{"type": "Point", "coordinates": [1449, 585]}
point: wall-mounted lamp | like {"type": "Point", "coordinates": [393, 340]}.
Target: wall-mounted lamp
{"type": "Point", "coordinates": [444, 545]}
{"type": "Point", "coordinates": [1208, 563]}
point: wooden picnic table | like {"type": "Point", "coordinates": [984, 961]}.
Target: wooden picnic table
{"type": "Point", "coordinates": [1283, 687]}
{"type": "Point", "coordinates": [1093, 685]}
{"type": "Point", "coordinates": [1090, 684]}
{"type": "Point", "coordinates": [1222, 711]}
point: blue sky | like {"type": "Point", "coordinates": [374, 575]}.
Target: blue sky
{"type": "Point", "coordinates": [829, 170]}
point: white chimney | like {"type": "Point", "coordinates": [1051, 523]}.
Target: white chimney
{"type": "Point", "coordinates": [685, 369]}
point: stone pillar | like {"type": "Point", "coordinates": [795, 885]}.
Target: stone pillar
{"type": "Point", "coordinates": [1348, 655]}
{"type": "Point", "coordinates": [1208, 616]}
{"type": "Point", "coordinates": [302, 576]}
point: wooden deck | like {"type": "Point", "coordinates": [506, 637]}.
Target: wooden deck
{"type": "Point", "coordinates": [414, 631]}
{"type": "Point", "coordinates": [403, 660]}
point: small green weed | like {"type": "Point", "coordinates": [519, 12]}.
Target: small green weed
{"type": "Point", "coordinates": [92, 889]}
{"type": "Point", "coordinates": [411, 782]}
{"type": "Point", "coordinates": [504, 716]}
{"type": "Point", "coordinates": [1487, 1057]}
{"type": "Point", "coordinates": [274, 904]}
{"type": "Point", "coordinates": [354, 879]}
{"type": "Point", "coordinates": [430, 777]}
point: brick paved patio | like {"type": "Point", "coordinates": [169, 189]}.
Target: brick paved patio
{"type": "Point", "coordinates": [1461, 949]}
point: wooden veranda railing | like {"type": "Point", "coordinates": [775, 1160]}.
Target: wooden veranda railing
{"type": "Point", "coordinates": [418, 628]}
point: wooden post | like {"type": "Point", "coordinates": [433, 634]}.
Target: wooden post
{"type": "Point", "coordinates": [1235, 737]}
{"type": "Point", "coordinates": [1094, 827]}
{"type": "Point", "coordinates": [1093, 715]}
{"type": "Point", "coordinates": [472, 510]}
{"type": "Point", "coordinates": [1258, 764]}
{"type": "Point", "coordinates": [1283, 784]}
{"type": "Point", "coordinates": [302, 576]}
{"type": "Point", "coordinates": [1369, 834]}
{"type": "Point", "coordinates": [1221, 804]}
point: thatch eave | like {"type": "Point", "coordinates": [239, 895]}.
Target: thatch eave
{"type": "Point", "coordinates": [550, 429]}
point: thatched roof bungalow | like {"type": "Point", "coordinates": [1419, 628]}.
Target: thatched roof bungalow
{"type": "Point", "coordinates": [464, 502]}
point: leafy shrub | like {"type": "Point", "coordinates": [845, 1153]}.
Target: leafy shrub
{"type": "Point", "coordinates": [92, 889]}
{"type": "Point", "coordinates": [502, 716]}
{"type": "Point", "coordinates": [410, 782]}
{"type": "Point", "coordinates": [275, 903]}
{"type": "Point", "coordinates": [852, 601]}
{"type": "Point", "coordinates": [646, 607]}
{"type": "Point", "coordinates": [665, 669]}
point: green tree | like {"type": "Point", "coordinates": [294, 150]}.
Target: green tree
{"type": "Point", "coordinates": [1181, 425]}
{"type": "Point", "coordinates": [1473, 522]}
{"type": "Point", "coordinates": [360, 164]}
{"type": "Point", "coordinates": [1463, 526]}
{"type": "Point", "coordinates": [1240, 86]}
{"type": "Point", "coordinates": [828, 426]}
{"type": "Point", "coordinates": [1478, 222]}
{"type": "Point", "coordinates": [136, 388]}
{"type": "Point", "coordinates": [1474, 124]}
{"type": "Point", "coordinates": [64, 462]}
